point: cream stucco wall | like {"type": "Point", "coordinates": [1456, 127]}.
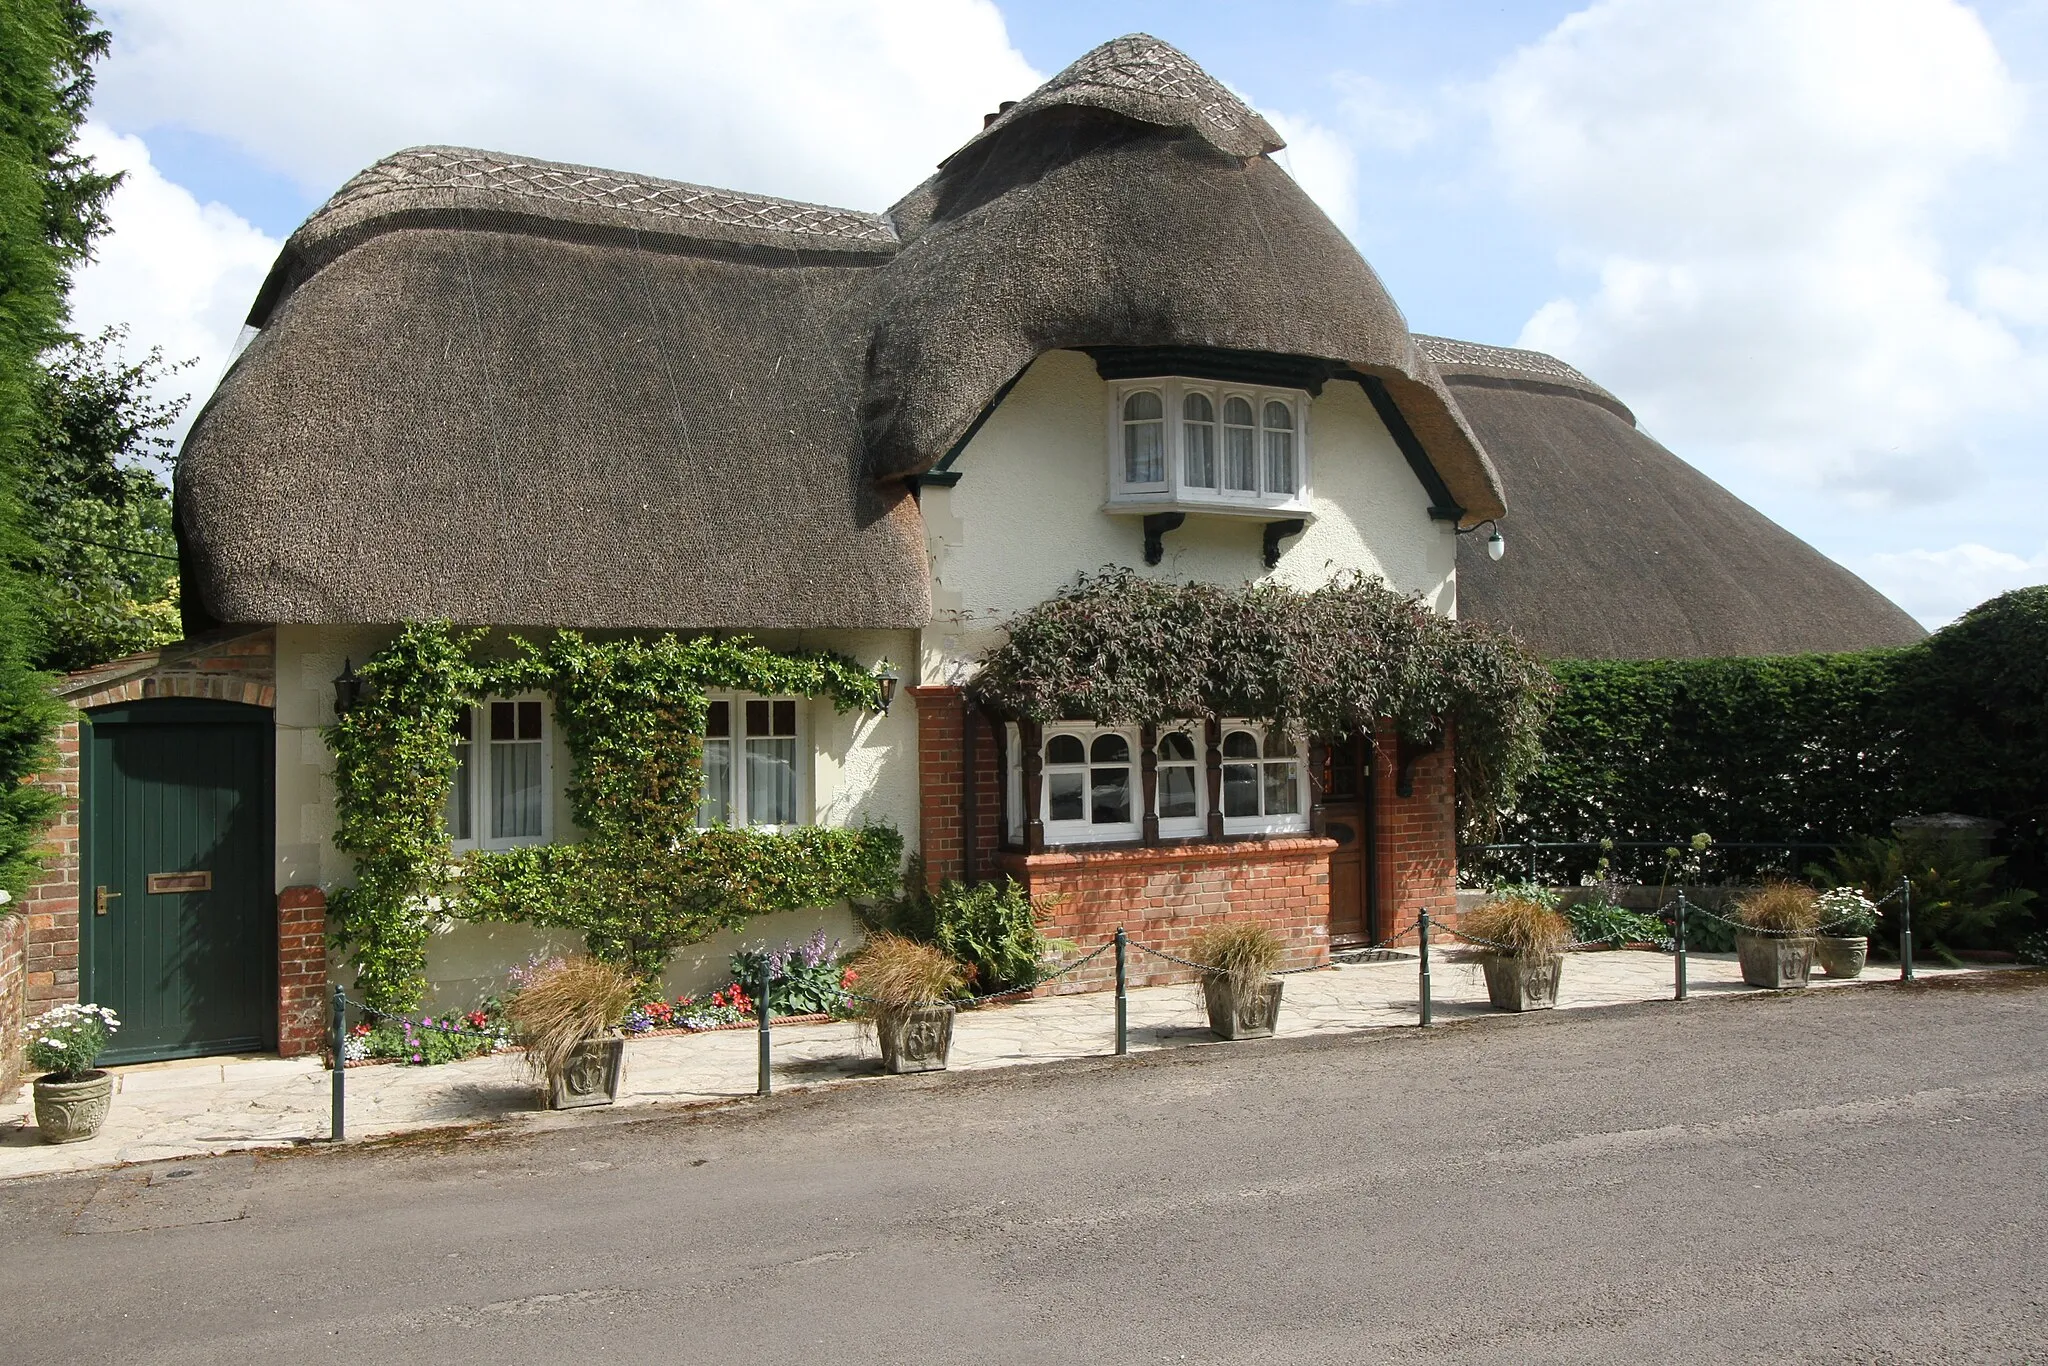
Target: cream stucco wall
{"type": "Point", "coordinates": [1027, 514]}
{"type": "Point", "coordinates": [864, 769]}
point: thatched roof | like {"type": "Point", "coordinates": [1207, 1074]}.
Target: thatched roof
{"type": "Point", "coordinates": [509, 391]}
{"type": "Point", "coordinates": [1618, 549]}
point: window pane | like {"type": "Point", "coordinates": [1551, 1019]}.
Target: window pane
{"type": "Point", "coordinates": [715, 807]}
{"type": "Point", "coordinates": [1283, 792]}
{"type": "Point", "coordinates": [771, 781]}
{"type": "Point", "coordinates": [458, 814]}
{"type": "Point", "coordinates": [1177, 791]}
{"type": "Point", "coordinates": [1198, 427]}
{"type": "Point", "coordinates": [1240, 789]}
{"type": "Point", "coordinates": [1240, 744]}
{"type": "Point", "coordinates": [1144, 452]}
{"type": "Point", "coordinates": [785, 718]}
{"type": "Point", "coordinates": [1279, 417]}
{"type": "Point", "coordinates": [1143, 406]}
{"type": "Point", "coordinates": [1110, 796]}
{"type": "Point", "coordinates": [718, 720]}
{"type": "Point", "coordinates": [1110, 749]}
{"type": "Point", "coordinates": [1240, 472]}
{"type": "Point", "coordinates": [529, 720]}
{"type": "Point", "coordinates": [515, 787]}
{"type": "Point", "coordinates": [504, 721]}
{"type": "Point", "coordinates": [1065, 749]}
{"type": "Point", "coordinates": [1237, 412]}
{"type": "Point", "coordinates": [1197, 408]}
{"type": "Point", "coordinates": [1280, 745]}
{"type": "Point", "coordinates": [1279, 462]}
{"type": "Point", "coordinates": [465, 727]}
{"type": "Point", "coordinates": [757, 719]}
{"type": "Point", "coordinates": [1177, 744]}
{"type": "Point", "coordinates": [1063, 797]}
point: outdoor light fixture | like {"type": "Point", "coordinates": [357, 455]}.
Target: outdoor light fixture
{"type": "Point", "coordinates": [1496, 545]}
{"type": "Point", "coordinates": [348, 689]}
{"type": "Point", "coordinates": [885, 674]}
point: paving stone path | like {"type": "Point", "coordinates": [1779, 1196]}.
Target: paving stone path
{"type": "Point", "coordinates": [214, 1105]}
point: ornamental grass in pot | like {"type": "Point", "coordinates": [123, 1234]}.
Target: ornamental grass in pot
{"type": "Point", "coordinates": [1520, 946]}
{"type": "Point", "coordinates": [905, 991]}
{"type": "Point", "coordinates": [567, 1017]}
{"type": "Point", "coordinates": [72, 1096]}
{"type": "Point", "coordinates": [1842, 945]}
{"type": "Point", "coordinates": [1238, 986]}
{"type": "Point", "coordinates": [1775, 938]}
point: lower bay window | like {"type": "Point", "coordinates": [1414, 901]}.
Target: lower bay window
{"type": "Point", "coordinates": [1092, 785]}
{"type": "Point", "coordinates": [753, 762]}
{"type": "Point", "coordinates": [500, 797]}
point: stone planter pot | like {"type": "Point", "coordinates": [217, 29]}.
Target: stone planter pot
{"type": "Point", "coordinates": [1842, 955]}
{"type": "Point", "coordinates": [1774, 963]}
{"type": "Point", "coordinates": [72, 1111]}
{"type": "Point", "coordinates": [591, 1076]}
{"type": "Point", "coordinates": [916, 1039]}
{"type": "Point", "coordinates": [1248, 1016]}
{"type": "Point", "coordinates": [1515, 982]}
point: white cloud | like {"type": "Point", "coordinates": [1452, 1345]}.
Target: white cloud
{"type": "Point", "coordinates": [1937, 586]}
{"type": "Point", "coordinates": [1322, 163]}
{"type": "Point", "coordinates": [1753, 187]}
{"type": "Point", "coordinates": [1379, 116]}
{"type": "Point", "coordinates": [826, 101]}
{"type": "Point", "coordinates": [179, 273]}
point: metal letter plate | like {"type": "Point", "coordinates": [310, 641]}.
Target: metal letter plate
{"type": "Point", "coordinates": [180, 882]}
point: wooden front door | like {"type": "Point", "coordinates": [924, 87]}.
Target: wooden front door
{"type": "Point", "coordinates": [1347, 819]}
{"type": "Point", "coordinates": [178, 922]}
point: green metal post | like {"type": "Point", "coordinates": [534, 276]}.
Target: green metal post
{"type": "Point", "coordinates": [1423, 939]}
{"type": "Point", "coordinates": [1679, 964]}
{"type": "Point", "coordinates": [339, 1012]}
{"type": "Point", "coordinates": [1123, 1014]}
{"type": "Point", "coordinates": [1905, 929]}
{"type": "Point", "coordinates": [761, 1013]}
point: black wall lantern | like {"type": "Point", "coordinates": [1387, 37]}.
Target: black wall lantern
{"type": "Point", "coordinates": [887, 678]}
{"type": "Point", "coordinates": [348, 689]}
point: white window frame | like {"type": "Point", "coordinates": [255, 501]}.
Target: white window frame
{"type": "Point", "coordinates": [1085, 830]}
{"type": "Point", "coordinates": [479, 777]}
{"type": "Point", "coordinates": [1285, 822]}
{"type": "Point", "coordinates": [1176, 491]}
{"type": "Point", "coordinates": [1184, 827]}
{"type": "Point", "coordinates": [737, 798]}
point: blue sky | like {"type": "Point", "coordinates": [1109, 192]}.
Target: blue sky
{"type": "Point", "coordinates": [1807, 240]}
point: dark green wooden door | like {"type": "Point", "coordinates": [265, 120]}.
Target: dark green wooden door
{"type": "Point", "coordinates": [179, 926]}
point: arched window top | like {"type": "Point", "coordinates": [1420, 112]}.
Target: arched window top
{"type": "Point", "coordinates": [1110, 749]}
{"type": "Point", "coordinates": [1197, 408]}
{"type": "Point", "coordinates": [1143, 406]}
{"type": "Point", "coordinates": [1065, 749]}
{"type": "Point", "coordinates": [1177, 746]}
{"type": "Point", "coordinates": [1279, 416]}
{"type": "Point", "coordinates": [1237, 412]}
{"type": "Point", "coordinates": [1240, 744]}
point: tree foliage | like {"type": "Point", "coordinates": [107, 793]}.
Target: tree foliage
{"type": "Point", "coordinates": [1331, 663]}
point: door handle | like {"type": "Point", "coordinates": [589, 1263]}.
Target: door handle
{"type": "Point", "coordinates": [100, 897]}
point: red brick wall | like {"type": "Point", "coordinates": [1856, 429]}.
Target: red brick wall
{"type": "Point", "coordinates": [941, 758]}
{"type": "Point", "coordinates": [51, 906]}
{"type": "Point", "coordinates": [1417, 837]}
{"type": "Point", "coordinates": [301, 970]}
{"type": "Point", "coordinates": [13, 998]}
{"type": "Point", "coordinates": [1164, 897]}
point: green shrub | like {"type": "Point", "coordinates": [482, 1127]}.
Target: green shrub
{"type": "Point", "coordinates": [1960, 899]}
{"type": "Point", "coordinates": [1597, 920]}
{"type": "Point", "coordinates": [992, 928]}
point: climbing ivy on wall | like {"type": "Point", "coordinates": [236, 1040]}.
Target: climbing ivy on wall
{"type": "Point", "coordinates": [644, 881]}
{"type": "Point", "coordinates": [1334, 662]}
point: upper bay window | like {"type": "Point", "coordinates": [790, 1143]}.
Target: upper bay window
{"type": "Point", "coordinates": [500, 797]}
{"type": "Point", "coordinates": [1201, 445]}
{"type": "Point", "coordinates": [753, 762]}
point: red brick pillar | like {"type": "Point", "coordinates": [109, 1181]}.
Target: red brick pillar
{"type": "Point", "coordinates": [13, 997]}
{"type": "Point", "coordinates": [51, 906]}
{"type": "Point", "coordinates": [301, 970]}
{"type": "Point", "coordinates": [939, 756]}
{"type": "Point", "coordinates": [1416, 835]}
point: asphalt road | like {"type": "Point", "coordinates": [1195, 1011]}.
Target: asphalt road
{"type": "Point", "coordinates": [1849, 1176]}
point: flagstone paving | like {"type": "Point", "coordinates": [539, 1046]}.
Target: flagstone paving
{"type": "Point", "coordinates": [167, 1110]}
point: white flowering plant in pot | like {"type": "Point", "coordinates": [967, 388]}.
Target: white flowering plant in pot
{"type": "Point", "coordinates": [71, 1096]}
{"type": "Point", "coordinates": [1842, 943]}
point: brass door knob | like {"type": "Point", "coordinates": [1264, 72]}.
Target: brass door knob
{"type": "Point", "coordinates": [100, 897]}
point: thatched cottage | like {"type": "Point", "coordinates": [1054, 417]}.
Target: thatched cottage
{"type": "Point", "coordinates": [1108, 330]}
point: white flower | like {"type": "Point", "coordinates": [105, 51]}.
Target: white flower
{"type": "Point", "coordinates": [5, 896]}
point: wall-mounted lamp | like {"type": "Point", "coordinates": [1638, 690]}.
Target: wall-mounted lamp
{"type": "Point", "coordinates": [1496, 544]}
{"type": "Point", "coordinates": [887, 678]}
{"type": "Point", "coordinates": [348, 689]}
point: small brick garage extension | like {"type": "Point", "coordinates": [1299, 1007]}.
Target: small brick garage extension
{"type": "Point", "coordinates": [1166, 894]}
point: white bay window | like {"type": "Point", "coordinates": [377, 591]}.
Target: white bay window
{"type": "Point", "coordinates": [1202, 445]}
{"type": "Point", "coordinates": [503, 774]}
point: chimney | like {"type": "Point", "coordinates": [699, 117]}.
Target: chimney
{"type": "Point", "coordinates": [1005, 107]}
